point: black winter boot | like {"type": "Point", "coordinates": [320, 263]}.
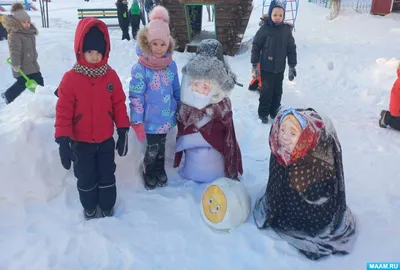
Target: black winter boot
{"type": "Point", "coordinates": [150, 179]}
{"type": "Point", "coordinates": [90, 214]}
{"type": "Point", "coordinates": [264, 119]}
{"type": "Point", "coordinates": [382, 122]}
{"type": "Point", "coordinates": [161, 175]}
{"type": "Point", "coordinates": [107, 213]}
{"type": "Point", "coordinates": [153, 169]}
{"type": "Point", "coordinates": [149, 166]}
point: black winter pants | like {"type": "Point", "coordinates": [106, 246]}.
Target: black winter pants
{"type": "Point", "coordinates": [95, 170]}
{"type": "Point", "coordinates": [124, 25]}
{"type": "Point", "coordinates": [19, 86]}
{"type": "Point", "coordinates": [155, 153]}
{"type": "Point", "coordinates": [135, 23]}
{"type": "Point", "coordinates": [125, 32]}
{"type": "Point", "coordinates": [270, 94]}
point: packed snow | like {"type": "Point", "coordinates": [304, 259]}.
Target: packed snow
{"type": "Point", "coordinates": [346, 68]}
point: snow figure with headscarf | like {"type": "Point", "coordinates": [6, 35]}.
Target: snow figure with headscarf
{"type": "Point", "coordinates": [305, 200]}
{"type": "Point", "coordinates": [206, 132]}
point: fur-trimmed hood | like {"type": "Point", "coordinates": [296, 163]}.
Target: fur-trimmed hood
{"type": "Point", "coordinates": [12, 25]}
{"type": "Point", "coordinates": [202, 66]}
{"type": "Point", "coordinates": [145, 46]}
{"type": "Point", "coordinates": [263, 19]}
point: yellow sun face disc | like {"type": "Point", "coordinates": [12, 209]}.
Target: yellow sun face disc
{"type": "Point", "coordinates": [214, 204]}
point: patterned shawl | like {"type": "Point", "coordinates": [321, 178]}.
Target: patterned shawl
{"type": "Point", "coordinates": [305, 201]}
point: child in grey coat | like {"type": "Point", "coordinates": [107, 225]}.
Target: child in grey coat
{"type": "Point", "coordinates": [22, 45]}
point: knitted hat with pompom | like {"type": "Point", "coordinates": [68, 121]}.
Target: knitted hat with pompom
{"type": "Point", "coordinates": [19, 13]}
{"type": "Point", "coordinates": [158, 27]}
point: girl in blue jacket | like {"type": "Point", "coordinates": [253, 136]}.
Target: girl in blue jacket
{"type": "Point", "coordinates": [154, 94]}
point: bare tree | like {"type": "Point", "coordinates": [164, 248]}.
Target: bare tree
{"type": "Point", "coordinates": [335, 9]}
{"type": "Point", "coordinates": [209, 10]}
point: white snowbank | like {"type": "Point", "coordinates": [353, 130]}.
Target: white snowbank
{"type": "Point", "coordinates": [30, 170]}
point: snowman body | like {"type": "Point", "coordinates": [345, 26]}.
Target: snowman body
{"type": "Point", "coordinates": [203, 163]}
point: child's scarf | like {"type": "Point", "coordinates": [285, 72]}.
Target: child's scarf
{"type": "Point", "coordinates": [154, 63]}
{"type": "Point", "coordinates": [91, 72]}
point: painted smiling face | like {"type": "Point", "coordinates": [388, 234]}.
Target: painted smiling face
{"type": "Point", "coordinates": [214, 204]}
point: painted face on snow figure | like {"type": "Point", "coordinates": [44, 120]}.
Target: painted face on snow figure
{"type": "Point", "coordinates": [214, 204]}
{"type": "Point", "coordinates": [201, 86]}
{"type": "Point", "coordinates": [200, 91]}
{"type": "Point", "coordinates": [289, 133]}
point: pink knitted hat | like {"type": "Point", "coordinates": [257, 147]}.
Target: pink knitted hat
{"type": "Point", "coordinates": [158, 27]}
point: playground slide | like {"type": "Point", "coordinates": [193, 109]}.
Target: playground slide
{"type": "Point", "coordinates": [6, 5]}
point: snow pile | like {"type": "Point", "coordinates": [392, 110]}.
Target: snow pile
{"type": "Point", "coordinates": [30, 170]}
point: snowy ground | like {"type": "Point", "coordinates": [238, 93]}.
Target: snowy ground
{"type": "Point", "coordinates": [346, 69]}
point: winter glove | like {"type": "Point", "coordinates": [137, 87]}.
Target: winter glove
{"type": "Point", "coordinates": [122, 142]}
{"type": "Point", "coordinates": [16, 68]}
{"type": "Point", "coordinates": [254, 71]}
{"type": "Point", "coordinates": [139, 131]}
{"type": "Point", "coordinates": [292, 73]}
{"type": "Point", "coordinates": [66, 153]}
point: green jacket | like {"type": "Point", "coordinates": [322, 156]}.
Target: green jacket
{"type": "Point", "coordinates": [135, 9]}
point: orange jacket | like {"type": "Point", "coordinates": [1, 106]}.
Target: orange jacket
{"type": "Point", "coordinates": [394, 104]}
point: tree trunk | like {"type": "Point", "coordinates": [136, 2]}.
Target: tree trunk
{"type": "Point", "coordinates": [335, 9]}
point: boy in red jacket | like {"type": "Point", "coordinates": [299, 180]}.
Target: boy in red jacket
{"type": "Point", "coordinates": [91, 100]}
{"type": "Point", "coordinates": [392, 117]}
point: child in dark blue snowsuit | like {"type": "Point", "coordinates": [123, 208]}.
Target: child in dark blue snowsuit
{"type": "Point", "coordinates": [272, 43]}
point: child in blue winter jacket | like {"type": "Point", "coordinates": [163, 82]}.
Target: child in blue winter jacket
{"type": "Point", "coordinates": [154, 94]}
